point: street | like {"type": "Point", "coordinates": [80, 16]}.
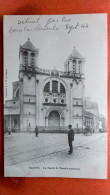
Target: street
{"type": "Point", "coordinates": [25, 154]}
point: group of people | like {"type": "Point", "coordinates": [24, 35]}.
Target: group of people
{"type": "Point", "coordinates": [70, 137]}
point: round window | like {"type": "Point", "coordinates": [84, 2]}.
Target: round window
{"type": "Point", "coordinates": [54, 100]}
{"type": "Point", "coordinates": [46, 100]}
{"type": "Point", "coordinates": [62, 101]}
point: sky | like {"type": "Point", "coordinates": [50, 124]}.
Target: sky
{"type": "Point", "coordinates": [87, 32]}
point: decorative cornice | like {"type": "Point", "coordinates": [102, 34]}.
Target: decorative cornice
{"type": "Point", "coordinates": [54, 104]}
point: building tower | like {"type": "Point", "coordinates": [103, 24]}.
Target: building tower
{"type": "Point", "coordinates": [75, 63]}
{"type": "Point", "coordinates": [74, 68]}
{"type": "Point", "coordinates": [28, 56]}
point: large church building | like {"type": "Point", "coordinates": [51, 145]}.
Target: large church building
{"type": "Point", "coordinates": [51, 99]}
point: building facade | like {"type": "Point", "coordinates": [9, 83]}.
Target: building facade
{"type": "Point", "coordinates": [89, 120]}
{"type": "Point", "coordinates": [102, 124]}
{"type": "Point", "coordinates": [51, 99]}
{"type": "Point", "coordinates": [92, 109]}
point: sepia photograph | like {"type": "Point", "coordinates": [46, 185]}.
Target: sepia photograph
{"type": "Point", "coordinates": [55, 96]}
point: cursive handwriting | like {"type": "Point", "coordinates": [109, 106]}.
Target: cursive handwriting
{"type": "Point", "coordinates": [51, 21]}
{"type": "Point", "coordinates": [64, 19]}
{"type": "Point", "coordinates": [50, 24]}
{"type": "Point", "coordinates": [29, 21]}
{"type": "Point", "coordinates": [70, 27]}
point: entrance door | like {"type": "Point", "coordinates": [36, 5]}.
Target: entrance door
{"type": "Point", "coordinates": [54, 119]}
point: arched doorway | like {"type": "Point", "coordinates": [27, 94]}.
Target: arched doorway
{"type": "Point", "coordinates": [54, 119]}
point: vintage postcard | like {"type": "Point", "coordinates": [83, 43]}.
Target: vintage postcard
{"type": "Point", "coordinates": [55, 96]}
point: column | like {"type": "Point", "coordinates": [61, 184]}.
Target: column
{"type": "Point", "coordinates": [10, 122]}
{"type": "Point", "coordinates": [29, 58]}
{"type": "Point", "coordinates": [50, 90]}
{"type": "Point", "coordinates": [58, 87]}
{"type": "Point", "coordinates": [70, 105]}
{"type": "Point", "coordinates": [21, 103]}
{"type": "Point", "coordinates": [37, 104]}
{"type": "Point", "coordinates": [58, 92]}
{"type": "Point", "coordinates": [50, 85]}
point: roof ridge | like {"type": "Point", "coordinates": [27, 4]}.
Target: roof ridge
{"type": "Point", "coordinates": [29, 45]}
{"type": "Point", "coordinates": [75, 53]}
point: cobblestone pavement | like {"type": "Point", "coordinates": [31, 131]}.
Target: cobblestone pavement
{"type": "Point", "coordinates": [51, 150]}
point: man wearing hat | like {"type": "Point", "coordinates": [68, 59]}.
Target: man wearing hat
{"type": "Point", "coordinates": [70, 138]}
{"type": "Point", "coordinates": [36, 131]}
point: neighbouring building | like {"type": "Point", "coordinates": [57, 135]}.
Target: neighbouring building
{"type": "Point", "coordinates": [89, 120]}
{"type": "Point", "coordinates": [102, 124]}
{"type": "Point", "coordinates": [92, 109]}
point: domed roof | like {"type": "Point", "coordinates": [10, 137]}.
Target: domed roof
{"type": "Point", "coordinates": [29, 46]}
{"type": "Point", "coordinates": [75, 54]}
{"type": "Point", "coordinates": [55, 72]}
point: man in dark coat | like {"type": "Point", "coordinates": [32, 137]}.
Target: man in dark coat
{"type": "Point", "coordinates": [9, 131]}
{"type": "Point", "coordinates": [70, 138]}
{"type": "Point", "coordinates": [36, 131]}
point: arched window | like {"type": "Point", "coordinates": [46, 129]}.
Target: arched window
{"type": "Point", "coordinates": [47, 87]}
{"type": "Point", "coordinates": [62, 89]}
{"type": "Point", "coordinates": [15, 122]}
{"type": "Point", "coordinates": [74, 61]}
{"type": "Point", "coordinates": [79, 69]}
{"type": "Point", "coordinates": [32, 59]}
{"type": "Point", "coordinates": [80, 62]}
{"type": "Point", "coordinates": [25, 54]}
{"type": "Point", "coordinates": [54, 86]}
{"type": "Point", "coordinates": [80, 66]}
{"type": "Point", "coordinates": [33, 54]}
{"type": "Point", "coordinates": [68, 66]}
{"type": "Point", "coordinates": [74, 66]}
{"type": "Point", "coordinates": [17, 94]}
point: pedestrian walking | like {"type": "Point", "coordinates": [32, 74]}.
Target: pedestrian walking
{"type": "Point", "coordinates": [9, 131]}
{"type": "Point", "coordinates": [70, 138]}
{"type": "Point", "coordinates": [36, 131]}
